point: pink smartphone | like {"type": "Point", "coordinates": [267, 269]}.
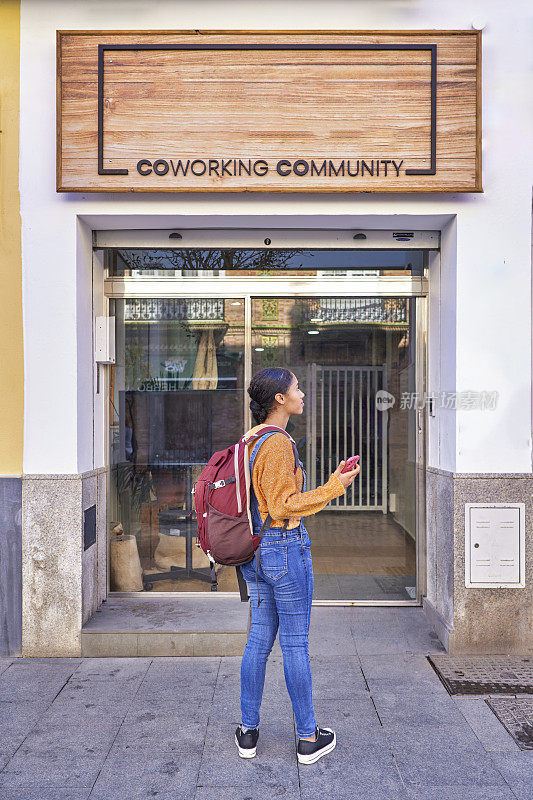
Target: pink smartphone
{"type": "Point", "coordinates": [350, 464]}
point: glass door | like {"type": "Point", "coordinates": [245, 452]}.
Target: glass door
{"type": "Point", "coordinates": [192, 327]}
{"type": "Point", "coordinates": [176, 396]}
{"type": "Point", "coordinates": [355, 358]}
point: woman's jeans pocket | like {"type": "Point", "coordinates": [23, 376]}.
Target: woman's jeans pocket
{"type": "Point", "coordinates": [273, 561]}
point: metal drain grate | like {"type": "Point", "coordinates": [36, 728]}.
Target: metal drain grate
{"type": "Point", "coordinates": [485, 674]}
{"type": "Point", "coordinates": [516, 714]}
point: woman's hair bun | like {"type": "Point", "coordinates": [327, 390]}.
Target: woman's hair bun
{"type": "Point", "coordinates": [263, 389]}
{"type": "Point", "coordinates": [258, 412]}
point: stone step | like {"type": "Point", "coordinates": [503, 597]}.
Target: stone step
{"type": "Point", "coordinates": [152, 625]}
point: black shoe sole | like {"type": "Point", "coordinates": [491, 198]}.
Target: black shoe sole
{"type": "Point", "coordinates": [312, 757]}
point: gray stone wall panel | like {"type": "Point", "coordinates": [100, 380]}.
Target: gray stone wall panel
{"type": "Point", "coordinates": [10, 566]}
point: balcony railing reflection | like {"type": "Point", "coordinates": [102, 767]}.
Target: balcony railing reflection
{"type": "Point", "coordinates": [382, 310]}
{"type": "Point", "coordinates": [155, 309]}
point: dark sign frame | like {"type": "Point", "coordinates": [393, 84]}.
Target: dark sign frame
{"type": "Point", "coordinates": [431, 48]}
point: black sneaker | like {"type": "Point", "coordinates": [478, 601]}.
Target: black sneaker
{"type": "Point", "coordinates": [309, 752]}
{"type": "Point", "coordinates": [246, 742]}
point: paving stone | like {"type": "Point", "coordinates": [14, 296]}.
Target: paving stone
{"type": "Point", "coordinates": [401, 671]}
{"type": "Point", "coordinates": [411, 618]}
{"type": "Point", "coordinates": [162, 663]}
{"type": "Point", "coordinates": [485, 724]}
{"type": "Point", "coordinates": [146, 790]}
{"type": "Point", "coordinates": [334, 678]}
{"type": "Point", "coordinates": [5, 663]}
{"type": "Point", "coordinates": [425, 641]}
{"type": "Point", "coordinates": [421, 638]}
{"type": "Point", "coordinates": [136, 776]}
{"type": "Point", "coordinates": [275, 703]}
{"type": "Point", "coordinates": [365, 789]}
{"type": "Point", "coordinates": [46, 793]}
{"type": "Point", "coordinates": [180, 677]}
{"type": "Point", "coordinates": [449, 738]}
{"type": "Point", "coordinates": [517, 769]}
{"type": "Point", "coordinates": [406, 666]}
{"type": "Point", "coordinates": [51, 766]}
{"type": "Point", "coordinates": [229, 678]}
{"type": "Point", "coordinates": [67, 663]}
{"type": "Point", "coordinates": [185, 742]}
{"type": "Point", "coordinates": [460, 793]}
{"type": "Point", "coordinates": [343, 775]}
{"type": "Point", "coordinates": [16, 721]}
{"type": "Point", "coordinates": [248, 793]}
{"type": "Point", "coordinates": [70, 740]}
{"type": "Point", "coordinates": [105, 683]}
{"type": "Point", "coordinates": [91, 730]}
{"type": "Point", "coordinates": [174, 716]}
{"type": "Point", "coordinates": [274, 765]}
{"type": "Point", "coordinates": [105, 669]}
{"type": "Point", "coordinates": [330, 642]}
{"type": "Point", "coordinates": [407, 706]}
{"type": "Point", "coordinates": [158, 733]}
{"type": "Point", "coordinates": [330, 633]}
{"type": "Point", "coordinates": [424, 688]}
{"type": "Point", "coordinates": [36, 680]}
{"type": "Point", "coordinates": [362, 786]}
{"type": "Point", "coordinates": [172, 689]}
{"type": "Point", "coordinates": [355, 717]}
{"type": "Point", "coordinates": [439, 763]}
{"type": "Point", "coordinates": [379, 634]}
{"type": "Point", "coordinates": [271, 710]}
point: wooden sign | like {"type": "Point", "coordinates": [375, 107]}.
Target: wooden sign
{"type": "Point", "coordinates": [340, 111]}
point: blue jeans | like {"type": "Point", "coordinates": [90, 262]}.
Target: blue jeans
{"type": "Point", "coordinates": [285, 579]}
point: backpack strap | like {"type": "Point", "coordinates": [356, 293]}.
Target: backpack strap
{"type": "Point", "coordinates": [260, 437]}
{"type": "Point", "coordinates": [268, 519]}
{"type": "Point", "coordinates": [243, 587]}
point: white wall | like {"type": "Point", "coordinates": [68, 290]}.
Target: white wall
{"type": "Point", "coordinates": [488, 324]}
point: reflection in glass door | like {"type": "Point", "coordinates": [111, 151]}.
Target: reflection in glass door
{"type": "Point", "coordinates": [177, 393]}
{"type": "Point", "coordinates": [176, 396]}
{"type": "Point", "coordinates": [355, 358]}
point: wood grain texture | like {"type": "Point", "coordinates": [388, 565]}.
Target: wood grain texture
{"type": "Point", "coordinates": [330, 109]}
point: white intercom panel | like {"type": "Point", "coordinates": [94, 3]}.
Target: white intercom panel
{"type": "Point", "coordinates": [494, 545]}
{"type": "Point", "coordinates": [104, 340]}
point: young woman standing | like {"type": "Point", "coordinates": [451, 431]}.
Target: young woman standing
{"type": "Point", "coordinates": [284, 575]}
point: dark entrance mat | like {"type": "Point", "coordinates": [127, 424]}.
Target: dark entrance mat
{"type": "Point", "coordinates": [484, 674]}
{"type": "Point", "coordinates": [516, 714]}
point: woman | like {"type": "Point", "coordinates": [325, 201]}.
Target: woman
{"type": "Point", "coordinates": [285, 571]}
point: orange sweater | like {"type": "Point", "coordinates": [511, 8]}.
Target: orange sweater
{"type": "Point", "coordinates": [279, 489]}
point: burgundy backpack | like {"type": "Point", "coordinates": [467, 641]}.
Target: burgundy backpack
{"type": "Point", "coordinates": [222, 504]}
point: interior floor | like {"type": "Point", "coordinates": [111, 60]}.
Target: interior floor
{"type": "Point", "coordinates": [356, 556]}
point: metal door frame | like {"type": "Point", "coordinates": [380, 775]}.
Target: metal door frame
{"type": "Point", "coordinates": [248, 289]}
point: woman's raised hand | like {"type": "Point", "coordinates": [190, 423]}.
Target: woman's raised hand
{"type": "Point", "coordinates": [346, 478]}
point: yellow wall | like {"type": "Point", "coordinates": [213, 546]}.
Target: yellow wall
{"type": "Point", "coordinates": [11, 352]}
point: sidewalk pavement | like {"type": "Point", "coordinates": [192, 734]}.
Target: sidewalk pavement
{"type": "Point", "coordinates": [143, 728]}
